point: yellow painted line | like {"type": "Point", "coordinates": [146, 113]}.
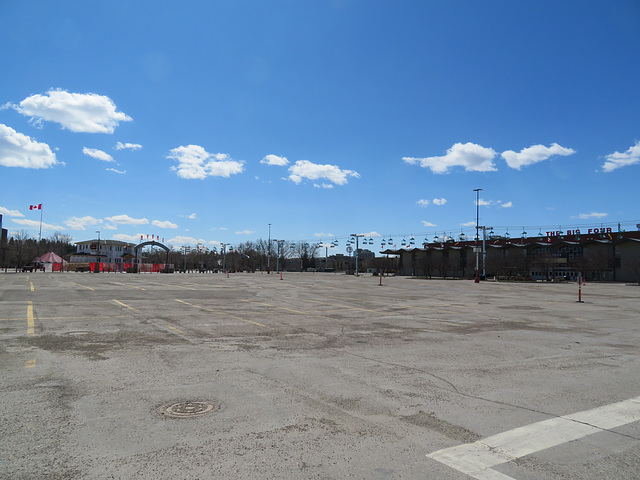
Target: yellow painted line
{"type": "Point", "coordinates": [221, 313]}
{"type": "Point", "coordinates": [30, 323]}
{"type": "Point", "coordinates": [84, 286]}
{"type": "Point", "coordinates": [32, 289]}
{"type": "Point", "coordinates": [30, 363]}
{"type": "Point", "coordinates": [123, 304]}
{"type": "Point", "coordinates": [186, 288]}
{"type": "Point", "coordinates": [130, 286]}
{"type": "Point", "coordinates": [174, 328]}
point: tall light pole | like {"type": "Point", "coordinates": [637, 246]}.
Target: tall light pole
{"type": "Point", "coordinates": [269, 251]}
{"type": "Point", "coordinates": [477, 190]}
{"type": "Point", "coordinates": [357, 236]}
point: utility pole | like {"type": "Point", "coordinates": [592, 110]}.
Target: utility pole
{"type": "Point", "coordinates": [477, 190]}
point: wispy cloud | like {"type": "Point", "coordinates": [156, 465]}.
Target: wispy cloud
{"type": "Point", "coordinates": [245, 232]}
{"type": "Point", "coordinates": [163, 224]}
{"type": "Point", "coordinates": [534, 154]}
{"type": "Point", "coordinates": [423, 203]}
{"type": "Point", "coordinates": [439, 201]}
{"type": "Point", "coordinates": [78, 112]}
{"type": "Point", "coordinates": [194, 162]}
{"type": "Point", "coordinates": [97, 154]}
{"type": "Point", "coordinates": [589, 216]}
{"type": "Point", "coordinates": [11, 213]}
{"type": "Point", "coordinates": [127, 146]}
{"type": "Point", "coordinates": [428, 224]}
{"type": "Point", "coordinates": [121, 172]}
{"type": "Point", "coordinates": [81, 223]}
{"type": "Point", "coordinates": [618, 160]}
{"type": "Point", "coordinates": [19, 150]}
{"type": "Point", "coordinates": [126, 220]}
{"type": "Point", "coordinates": [323, 235]}
{"type": "Point", "coordinates": [36, 224]}
{"type": "Point", "coordinates": [470, 156]}
{"type": "Point", "coordinates": [468, 224]}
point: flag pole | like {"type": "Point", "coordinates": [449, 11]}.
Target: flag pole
{"type": "Point", "coordinates": [40, 234]}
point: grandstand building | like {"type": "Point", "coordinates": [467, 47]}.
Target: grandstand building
{"type": "Point", "coordinates": [599, 254]}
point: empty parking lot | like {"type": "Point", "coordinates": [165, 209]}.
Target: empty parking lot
{"type": "Point", "coordinates": [196, 376]}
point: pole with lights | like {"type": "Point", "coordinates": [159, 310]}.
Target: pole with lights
{"type": "Point", "coordinates": [477, 190]}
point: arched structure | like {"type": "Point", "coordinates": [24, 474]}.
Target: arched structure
{"type": "Point", "coordinates": [138, 248]}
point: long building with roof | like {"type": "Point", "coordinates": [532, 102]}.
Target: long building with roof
{"type": "Point", "coordinates": [598, 255]}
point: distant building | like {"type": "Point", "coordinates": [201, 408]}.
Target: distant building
{"type": "Point", "coordinates": [105, 251]}
{"type": "Point", "coordinates": [600, 254]}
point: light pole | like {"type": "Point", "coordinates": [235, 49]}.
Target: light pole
{"type": "Point", "coordinates": [477, 190]}
{"type": "Point", "coordinates": [269, 251]}
{"type": "Point", "coordinates": [97, 269]}
{"type": "Point", "coordinates": [357, 236]}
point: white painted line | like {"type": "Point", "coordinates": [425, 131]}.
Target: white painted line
{"type": "Point", "coordinates": [477, 459]}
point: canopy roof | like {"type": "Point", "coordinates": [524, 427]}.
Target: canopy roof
{"type": "Point", "coordinates": [49, 258]}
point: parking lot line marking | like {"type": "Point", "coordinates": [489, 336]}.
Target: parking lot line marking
{"type": "Point", "coordinates": [80, 285]}
{"type": "Point", "coordinates": [30, 322]}
{"type": "Point", "coordinates": [130, 286]}
{"type": "Point", "coordinates": [221, 313]}
{"type": "Point", "coordinates": [32, 289]}
{"type": "Point", "coordinates": [477, 459]}
{"type": "Point", "coordinates": [176, 329]}
{"type": "Point", "coordinates": [30, 363]}
{"type": "Point", "coordinates": [123, 304]}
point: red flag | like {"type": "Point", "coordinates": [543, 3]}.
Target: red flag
{"type": "Point", "coordinates": [35, 207]}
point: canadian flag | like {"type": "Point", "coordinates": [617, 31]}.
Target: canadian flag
{"type": "Point", "coordinates": [35, 207]}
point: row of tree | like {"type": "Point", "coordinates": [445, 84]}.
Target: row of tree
{"type": "Point", "coordinates": [20, 249]}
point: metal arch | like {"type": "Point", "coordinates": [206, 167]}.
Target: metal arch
{"type": "Point", "coordinates": [137, 248]}
{"type": "Point", "coordinates": [153, 243]}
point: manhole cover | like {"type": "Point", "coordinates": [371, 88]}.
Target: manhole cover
{"type": "Point", "coordinates": [188, 409]}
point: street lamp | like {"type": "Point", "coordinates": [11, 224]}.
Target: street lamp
{"type": "Point", "coordinates": [477, 190]}
{"type": "Point", "coordinates": [97, 269]}
{"type": "Point", "coordinates": [357, 236]}
{"type": "Point", "coordinates": [269, 251]}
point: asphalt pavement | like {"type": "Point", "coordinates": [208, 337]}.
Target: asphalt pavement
{"type": "Point", "coordinates": [316, 375]}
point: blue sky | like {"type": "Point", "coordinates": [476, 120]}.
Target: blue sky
{"type": "Point", "coordinates": [207, 121]}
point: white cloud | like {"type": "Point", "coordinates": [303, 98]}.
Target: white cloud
{"type": "Point", "coordinates": [322, 235]}
{"type": "Point", "coordinates": [428, 224]}
{"type": "Point", "coordinates": [468, 224]}
{"type": "Point", "coordinates": [534, 154]}
{"type": "Point", "coordinates": [371, 234]}
{"type": "Point", "coordinates": [78, 112]}
{"type": "Point", "coordinates": [474, 158]}
{"type": "Point", "coordinates": [493, 203]}
{"type": "Point", "coordinates": [80, 223]}
{"type": "Point", "coordinates": [439, 201]}
{"type": "Point", "coordinates": [423, 203]}
{"type": "Point", "coordinates": [182, 240]}
{"type": "Point", "coordinates": [587, 216]}
{"type": "Point", "coordinates": [127, 146]}
{"type": "Point", "coordinates": [109, 227]}
{"type": "Point", "coordinates": [123, 237]}
{"type": "Point", "coordinates": [165, 224]}
{"type": "Point", "coordinates": [618, 160]}
{"type": "Point", "coordinates": [11, 213]}
{"type": "Point", "coordinates": [97, 154]}
{"type": "Point", "coordinates": [304, 169]}
{"type": "Point", "coordinates": [192, 216]}
{"type": "Point", "coordinates": [126, 220]}
{"type": "Point", "coordinates": [36, 224]}
{"type": "Point", "coordinates": [19, 150]}
{"type": "Point", "coordinates": [194, 162]}
{"type": "Point", "coordinates": [121, 172]}
{"type": "Point", "coordinates": [245, 232]}
{"type": "Point", "coordinates": [323, 185]}
{"type": "Point", "coordinates": [275, 160]}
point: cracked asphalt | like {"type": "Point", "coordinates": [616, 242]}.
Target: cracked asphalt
{"type": "Point", "coordinates": [313, 376]}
